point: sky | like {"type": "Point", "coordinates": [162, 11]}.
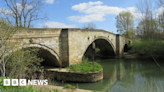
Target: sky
{"type": "Point", "coordinates": [77, 13]}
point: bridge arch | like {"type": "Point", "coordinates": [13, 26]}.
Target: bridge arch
{"type": "Point", "coordinates": [51, 58]}
{"type": "Point", "coordinates": [102, 43]}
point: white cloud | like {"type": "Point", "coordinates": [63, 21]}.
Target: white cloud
{"type": "Point", "coordinates": [49, 1]}
{"type": "Point", "coordinates": [6, 11]}
{"type": "Point", "coordinates": [87, 18]}
{"type": "Point", "coordinates": [51, 24]}
{"type": "Point", "coordinates": [28, 7]}
{"type": "Point", "coordinates": [159, 11]}
{"type": "Point", "coordinates": [18, 6]}
{"type": "Point", "coordinates": [83, 6]}
{"type": "Point", "coordinates": [95, 11]}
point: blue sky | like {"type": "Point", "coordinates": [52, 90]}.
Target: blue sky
{"type": "Point", "coordinates": [76, 13]}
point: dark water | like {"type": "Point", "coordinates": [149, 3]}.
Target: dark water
{"type": "Point", "coordinates": [127, 76]}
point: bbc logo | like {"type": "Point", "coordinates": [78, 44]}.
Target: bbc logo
{"type": "Point", "coordinates": [14, 82]}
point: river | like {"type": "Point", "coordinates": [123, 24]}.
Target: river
{"type": "Point", "coordinates": [126, 76]}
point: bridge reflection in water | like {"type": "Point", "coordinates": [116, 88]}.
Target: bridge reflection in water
{"type": "Point", "coordinates": [113, 70]}
{"type": "Point", "coordinates": [126, 76]}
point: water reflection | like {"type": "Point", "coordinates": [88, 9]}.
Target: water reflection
{"type": "Point", "coordinates": [139, 76]}
{"type": "Point", "coordinates": [127, 76]}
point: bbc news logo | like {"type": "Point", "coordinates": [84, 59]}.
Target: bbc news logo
{"type": "Point", "coordinates": [23, 82]}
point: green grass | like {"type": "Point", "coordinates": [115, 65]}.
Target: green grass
{"type": "Point", "coordinates": [69, 86]}
{"type": "Point", "coordinates": [24, 89]}
{"type": "Point", "coordinates": [85, 67]}
{"type": "Point", "coordinates": [15, 88]}
{"type": "Point", "coordinates": [20, 88]}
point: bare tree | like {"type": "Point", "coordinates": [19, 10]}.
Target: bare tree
{"type": "Point", "coordinates": [148, 23]}
{"type": "Point", "coordinates": [24, 12]}
{"type": "Point", "coordinates": [89, 26]}
{"type": "Point", "coordinates": [160, 3]}
{"type": "Point", "coordinates": [148, 29]}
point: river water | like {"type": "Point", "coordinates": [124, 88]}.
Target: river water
{"type": "Point", "coordinates": [127, 76]}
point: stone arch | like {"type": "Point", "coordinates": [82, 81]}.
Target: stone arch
{"type": "Point", "coordinates": [125, 49]}
{"type": "Point", "coordinates": [126, 45]}
{"type": "Point", "coordinates": [46, 49]}
{"type": "Point", "coordinates": [98, 38]}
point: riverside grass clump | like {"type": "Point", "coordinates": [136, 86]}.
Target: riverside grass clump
{"type": "Point", "coordinates": [69, 87]}
{"type": "Point", "coordinates": [85, 67]}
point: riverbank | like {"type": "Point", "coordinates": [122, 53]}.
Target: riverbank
{"type": "Point", "coordinates": [127, 55]}
{"type": "Point", "coordinates": [46, 88]}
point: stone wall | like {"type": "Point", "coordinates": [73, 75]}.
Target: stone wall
{"type": "Point", "coordinates": [80, 39]}
{"type": "Point", "coordinates": [48, 37]}
{"type": "Point", "coordinates": [64, 75]}
{"type": "Point", "coordinates": [69, 44]}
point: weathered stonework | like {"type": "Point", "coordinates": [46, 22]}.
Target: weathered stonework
{"type": "Point", "coordinates": [68, 45]}
{"type": "Point", "coordinates": [65, 75]}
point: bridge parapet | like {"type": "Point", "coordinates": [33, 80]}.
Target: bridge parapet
{"type": "Point", "coordinates": [71, 43]}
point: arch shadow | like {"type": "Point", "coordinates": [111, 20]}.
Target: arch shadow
{"type": "Point", "coordinates": [51, 58]}
{"type": "Point", "coordinates": [106, 47]}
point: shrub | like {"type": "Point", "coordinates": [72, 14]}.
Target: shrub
{"type": "Point", "coordinates": [97, 50]}
{"type": "Point", "coordinates": [70, 86]}
{"type": "Point", "coordinates": [23, 63]}
{"type": "Point", "coordinates": [147, 47]}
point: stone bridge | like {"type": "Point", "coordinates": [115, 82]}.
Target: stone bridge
{"type": "Point", "coordinates": [65, 47]}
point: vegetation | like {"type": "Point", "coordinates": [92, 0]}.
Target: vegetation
{"type": "Point", "coordinates": [97, 50]}
{"type": "Point", "coordinates": [70, 87]}
{"type": "Point", "coordinates": [7, 31]}
{"type": "Point", "coordinates": [24, 63]}
{"type": "Point", "coordinates": [15, 88]}
{"type": "Point", "coordinates": [23, 12]}
{"type": "Point", "coordinates": [149, 47]}
{"type": "Point", "coordinates": [14, 62]}
{"type": "Point", "coordinates": [125, 23]}
{"type": "Point", "coordinates": [85, 66]}
{"type": "Point", "coordinates": [23, 88]}
{"type": "Point", "coordinates": [18, 89]}
{"type": "Point", "coordinates": [150, 29]}
{"type": "Point", "coordinates": [89, 26]}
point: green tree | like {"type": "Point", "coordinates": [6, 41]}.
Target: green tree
{"type": "Point", "coordinates": [6, 44]}
{"type": "Point", "coordinates": [125, 23]}
{"type": "Point", "coordinates": [24, 63]}
{"type": "Point", "coordinates": [14, 62]}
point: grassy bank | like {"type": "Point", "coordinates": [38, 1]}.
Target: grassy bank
{"type": "Point", "coordinates": [39, 88]}
{"type": "Point", "coordinates": [85, 67]}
